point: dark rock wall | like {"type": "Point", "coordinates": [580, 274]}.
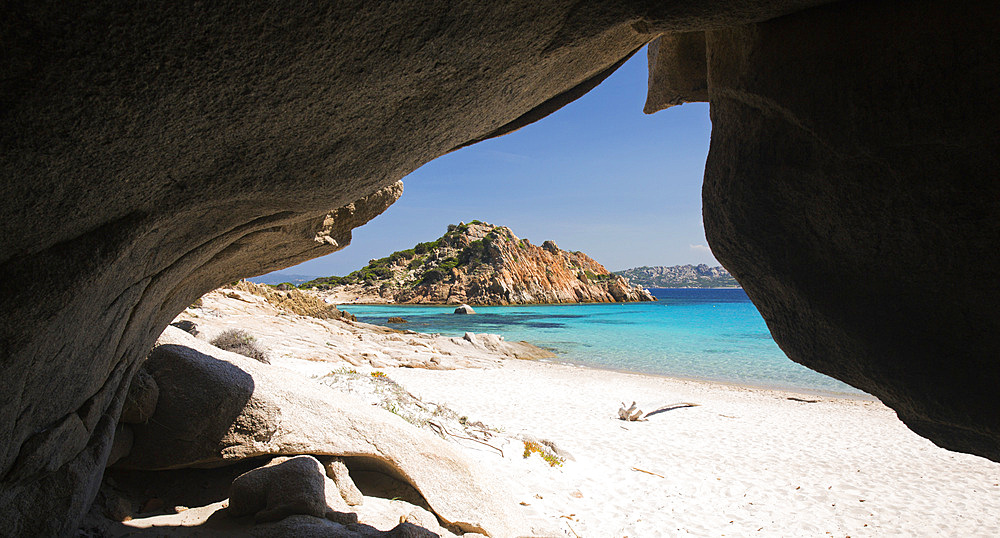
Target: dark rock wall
{"type": "Point", "coordinates": [851, 188]}
{"type": "Point", "coordinates": [150, 152]}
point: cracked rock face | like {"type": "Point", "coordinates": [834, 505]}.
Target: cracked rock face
{"type": "Point", "coordinates": [150, 154]}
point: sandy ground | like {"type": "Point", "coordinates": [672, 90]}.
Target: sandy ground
{"type": "Point", "coordinates": [744, 462]}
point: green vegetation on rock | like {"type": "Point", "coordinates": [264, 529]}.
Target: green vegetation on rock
{"type": "Point", "coordinates": [484, 263]}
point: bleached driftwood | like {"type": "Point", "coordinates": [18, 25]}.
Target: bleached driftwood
{"type": "Point", "coordinates": [442, 431]}
{"type": "Point", "coordinates": [631, 414]}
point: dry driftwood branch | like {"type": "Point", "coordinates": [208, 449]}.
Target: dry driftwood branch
{"type": "Point", "coordinates": [631, 414]}
{"type": "Point", "coordinates": [671, 407]}
{"type": "Point", "coordinates": [442, 431]}
{"type": "Point", "coordinates": [647, 472]}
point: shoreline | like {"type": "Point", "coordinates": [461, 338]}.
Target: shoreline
{"type": "Point", "coordinates": [711, 457]}
{"type": "Point", "coordinates": [725, 383]}
{"type": "Point", "coordinates": [742, 461]}
{"type": "Point", "coordinates": [810, 391]}
{"type": "Point", "coordinates": [339, 304]}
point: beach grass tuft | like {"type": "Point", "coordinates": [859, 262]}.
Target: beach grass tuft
{"type": "Point", "coordinates": [242, 342]}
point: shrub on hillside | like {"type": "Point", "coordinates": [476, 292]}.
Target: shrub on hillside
{"type": "Point", "coordinates": [424, 248]}
{"type": "Point", "coordinates": [432, 276]}
{"type": "Point", "coordinates": [242, 342]}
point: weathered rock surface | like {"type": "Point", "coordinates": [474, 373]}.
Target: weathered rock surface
{"type": "Point", "coordinates": [283, 487]}
{"type": "Point", "coordinates": [52, 383]}
{"type": "Point", "coordinates": [292, 301]}
{"type": "Point", "coordinates": [336, 469]}
{"type": "Point", "coordinates": [340, 342]}
{"type": "Point", "coordinates": [481, 263]}
{"type": "Point", "coordinates": [852, 189]}
{"type": "Point", "coordinates": [152, 154]}
{"type": "Point", "coordinates": [678, 71]}
{"type": "Point", "coordinates": [464, 309]}
{"type": "Point", "coordinates": [140, 401]}
{"type": "Point", "coordinates": [217, 407]}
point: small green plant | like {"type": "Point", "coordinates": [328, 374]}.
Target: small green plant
{"type": "Point", "coordinates": [533, 447]}
{"type": "Point", "coordinates": [378, 375]}
{"type": "Point", "coordinates": [242, 342]}
{"type": "Point", "coordinates": [344, 371]}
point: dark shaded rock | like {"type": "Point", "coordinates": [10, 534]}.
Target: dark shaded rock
{"type": "Point", "coordinates": [396, 319]}
{"type": "Point", "coordinates": [187, 326]}
{"type": "Point", "coordinates": [283, 487]}
{"type": "Point", "coordinates": [678, 71]}
{"type": "Point", "coordinates": [122, 445]}
{"type": "Point", "coordinates": [409, 530]}
{"type": "Point", "coordinates": [151, 154]}
{"type": "Point", "coordinates": [154, 504]}
{"type": "Point", "coordinates": [852, 190]}
{"type": "Point", "coordinates": [140, 401]}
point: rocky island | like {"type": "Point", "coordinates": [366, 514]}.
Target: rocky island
{"type": "Point", "coordinates": [485, 264]}
{"type": "Point", "coordinates": [680, 276]}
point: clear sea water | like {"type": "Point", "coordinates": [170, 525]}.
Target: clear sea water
{"type": "Point", "coordinates": [711, 334]}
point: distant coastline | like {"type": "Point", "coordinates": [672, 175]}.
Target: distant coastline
{"type": "Point", "coordinates": [679, 277]}
{"type": "Point", "coordinates": [694, 287]}
{"type": "Point", "coordinates": [279, 277]}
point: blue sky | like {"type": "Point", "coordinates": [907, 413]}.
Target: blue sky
{"type": "Point", "coordinates": [597, 176]}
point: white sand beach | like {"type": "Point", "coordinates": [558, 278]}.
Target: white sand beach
{"type": "Point", "coordinates": [742, 462]}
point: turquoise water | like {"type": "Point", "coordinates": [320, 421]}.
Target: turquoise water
{"type": "Point", "coordinates": [713, 334]}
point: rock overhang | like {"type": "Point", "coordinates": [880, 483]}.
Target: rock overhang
{"type": "Point", "coordinates": [151, 154]}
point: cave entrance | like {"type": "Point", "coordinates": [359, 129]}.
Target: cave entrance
{"type": "Point", "coordinates": [601, 177]}
{"type": "Point", "coordinates": [756, 446]}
